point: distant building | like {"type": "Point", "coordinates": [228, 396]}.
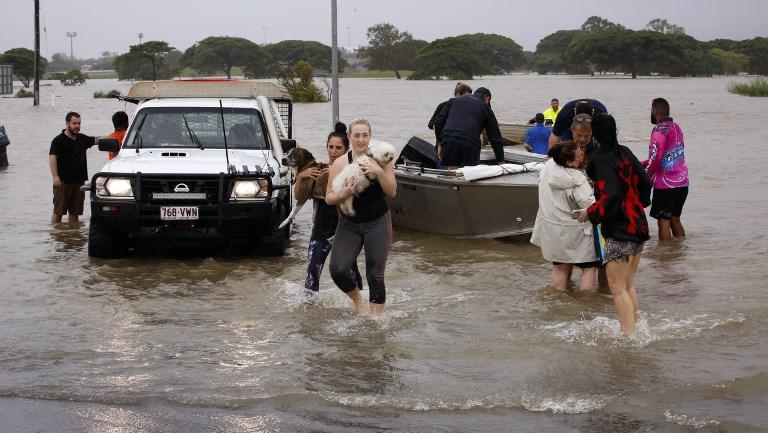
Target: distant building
{"type": "Point", "coordinates": [6, 79]}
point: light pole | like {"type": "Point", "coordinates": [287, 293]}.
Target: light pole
{"type": "Point", "coordinates": [141, 36]}
{"type": "Point", "coordinates": [72, 36]}
{"type": "Point", "coordinates": [334, 66]}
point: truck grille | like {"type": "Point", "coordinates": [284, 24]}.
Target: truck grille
{"type": "Point", "coordinates": [186, 189]}
{"type": "Point", "coordinates": [179, 196]}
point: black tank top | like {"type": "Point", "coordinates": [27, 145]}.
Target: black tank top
{"type": "Point", "coordinates": [370, 204]}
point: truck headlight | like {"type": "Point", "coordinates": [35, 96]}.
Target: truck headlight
{"type": "Point", "coordinates": [113, 187]}
{"type": "Point", "coordinates": [250, 189]}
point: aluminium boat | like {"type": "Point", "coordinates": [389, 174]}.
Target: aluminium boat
{"type": "Point", "coordinates": [447, 201]}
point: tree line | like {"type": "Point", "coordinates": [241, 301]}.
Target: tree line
{"type": "Point", "coordinates": [598, 46]}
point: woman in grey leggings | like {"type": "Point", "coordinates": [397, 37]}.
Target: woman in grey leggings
{"type": "Point", "coordinates": [370, 228]}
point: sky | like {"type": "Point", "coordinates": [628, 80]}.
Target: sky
{"type": "Point", "coordinates": [110, 25]}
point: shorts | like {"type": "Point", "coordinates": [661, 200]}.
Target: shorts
{"type": "Point", "coordinates": [615, 249]}
{"type": "Point", "coordinates": [68, 199]}
{"type": "Point", "coordinates": [668, 203]}
{"type": "Point", "coordinates": [585, 265]}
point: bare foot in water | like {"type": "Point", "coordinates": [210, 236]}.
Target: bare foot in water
{"type": "Point", "coordinates": [377, 310]}
{"type": "Point", "coordinates": [354, 295]}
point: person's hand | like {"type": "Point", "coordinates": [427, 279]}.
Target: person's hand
{"type": "Point", "coordinates": [57, 182]}
{"type": "Point", "coordinates": [528, 148]}
{"type": "Point", "coordinates": [370, 166]}
{"type": "Point", "coordinates": [583, 216]}
{"type": "Point", "coordinates": [311, 173]}
{"type": "Point", "coordinates": [349, 188]}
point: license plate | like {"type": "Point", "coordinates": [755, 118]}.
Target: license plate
{"type": "Point", "coordinates": [176, 213]}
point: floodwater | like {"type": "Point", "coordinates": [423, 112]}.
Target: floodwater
{"type": "Point", "coordinates": [471, 341]}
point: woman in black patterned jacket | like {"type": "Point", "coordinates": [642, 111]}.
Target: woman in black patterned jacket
{"type": "Point", "coordinates": [622, 192]}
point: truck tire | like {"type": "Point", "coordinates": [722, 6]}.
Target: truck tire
{"type": "Point", "coordinates": [103, 243]}
{"type": "Point", "coordinates": [274, 243]}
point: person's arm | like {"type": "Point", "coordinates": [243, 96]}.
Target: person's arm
{"type": "Point", "coordinates": [528, 141]}
{"type": "Point", "coordinates": [655, 152]}
{"type": "Point", "coordinates": [433, 119]}
{"type": "Point", "coordinates": [332, 198]}
{"type": "Point", "coordinates": [442, 118]}
{"type": "Point", "coordinates": [53, 165]}
{"type": "Point", "coordinates": [385, 175]}
{"type": "Point", "coordinates": [302, 176]}
{"type": "Point", "coordinates": [90, 140]}
{"type": "Point", "coordinates": [644, 185]}
{"type": "Point", "coordinates": [583, 194]}
{"type": "Point", "coordinates": [494, 135]}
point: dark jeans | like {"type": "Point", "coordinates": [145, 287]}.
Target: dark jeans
{"type": "Point", "coordinates": [376, 237]}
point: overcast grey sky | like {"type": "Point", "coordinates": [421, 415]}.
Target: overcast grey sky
{"type": "Point", "coordinates": [110, 25]}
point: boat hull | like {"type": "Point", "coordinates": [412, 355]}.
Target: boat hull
{"type": "Point", "coordinates": [497, 207]}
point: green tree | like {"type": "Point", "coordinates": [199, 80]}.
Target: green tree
{"type": "Point", "coordinates": [503, 54]}
{"type": "Point", "coordinates": [757, 51]}
{"type": "Point", "coordinates": [145, 61]}
{"type": "Point", "coordinates": [550, 53]}
{"type": "Point", "coordinates": [636, 52]}
{"type": "Point", "coordinates": [696, 61]}
{"type": "Point", "coordinates": [222, 53]}
{"type": "Point", "coordinates": [292, 51]}
{"type": "Point", "coordinates": [388, 48]}
{"type": "Point", "coordinates": [452, 57]}
{"type": "Point", "coordinates": [731, 62]}
{"type": "Point", "coordinates": [596, 24]}
{"type": "Point", "coordinates": [664, 26]}
{"type": "Point", "coordinates": [23, 62]}
{"type": "Point", "coordinates": [299, 82]}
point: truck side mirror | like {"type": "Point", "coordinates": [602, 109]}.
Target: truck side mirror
{"type": "Point", "coordinates": [108, 145]}
{"type": "Point", "coordinates": [287, 144]}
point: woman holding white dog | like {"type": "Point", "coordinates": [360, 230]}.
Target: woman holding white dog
{"type": "Point", "coordinates": [325, 217]}
{"type": "Point", "coordinates": [369, 228]}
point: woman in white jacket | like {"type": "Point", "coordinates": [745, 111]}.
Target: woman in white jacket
{"type": "Point", "coordinates": [564, 241]}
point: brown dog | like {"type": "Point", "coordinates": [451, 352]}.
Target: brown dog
{"type": "Point", "coordinates": [300, 159]}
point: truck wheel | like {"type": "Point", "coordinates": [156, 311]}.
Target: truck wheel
{"type": "Point", "coordinates": [105, 244]}
{"type": "Point", "coordinates": [273, 244]}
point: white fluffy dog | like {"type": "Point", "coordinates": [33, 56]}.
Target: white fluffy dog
{"type": "Point", "coordinates": [381, 152]}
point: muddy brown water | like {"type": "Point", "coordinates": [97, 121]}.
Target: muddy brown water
{"type": "Point", "coordinates": [471, 341]}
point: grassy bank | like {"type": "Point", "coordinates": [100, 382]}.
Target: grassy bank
{"type": "Point", "coordinates": [757, 87]}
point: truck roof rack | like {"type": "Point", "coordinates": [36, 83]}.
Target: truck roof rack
{"type": "Point", "coordinates": [247, 89]}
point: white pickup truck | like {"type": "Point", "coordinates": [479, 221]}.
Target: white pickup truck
{"type": "Point", "coordinates": [200, 163]}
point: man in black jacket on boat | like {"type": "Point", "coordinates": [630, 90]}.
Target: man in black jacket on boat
{"type": "Point", "coordinates": [461, 122]}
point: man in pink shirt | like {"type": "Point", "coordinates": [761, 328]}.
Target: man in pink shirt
{"type": "Point", "coordinates": [667, 170]}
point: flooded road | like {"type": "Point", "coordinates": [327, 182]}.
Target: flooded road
{"type": "Point", "coordinates": [471, 340]}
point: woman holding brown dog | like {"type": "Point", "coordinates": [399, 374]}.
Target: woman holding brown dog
{"type": "Point", "coordinates": [370, 228]}
{"type": "Point", "coordinates": [325, 216]}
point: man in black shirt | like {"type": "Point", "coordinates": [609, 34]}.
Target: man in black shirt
{"type": "Point", "coordinates": [461, 122]}
{"type": "Point", "coordinates": [69, 169]}
{"type": "Point", "coordinates": [461, 89]}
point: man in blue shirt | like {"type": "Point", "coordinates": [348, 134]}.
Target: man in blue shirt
{"type": "Point", "coordinates": [537, 138]}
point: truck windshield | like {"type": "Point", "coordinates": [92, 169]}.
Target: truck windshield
{"type": "Point", "coordinates": [197, 127]}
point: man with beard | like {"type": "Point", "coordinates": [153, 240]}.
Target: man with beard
{"type": "Point", "coordinates": [69, 169]}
